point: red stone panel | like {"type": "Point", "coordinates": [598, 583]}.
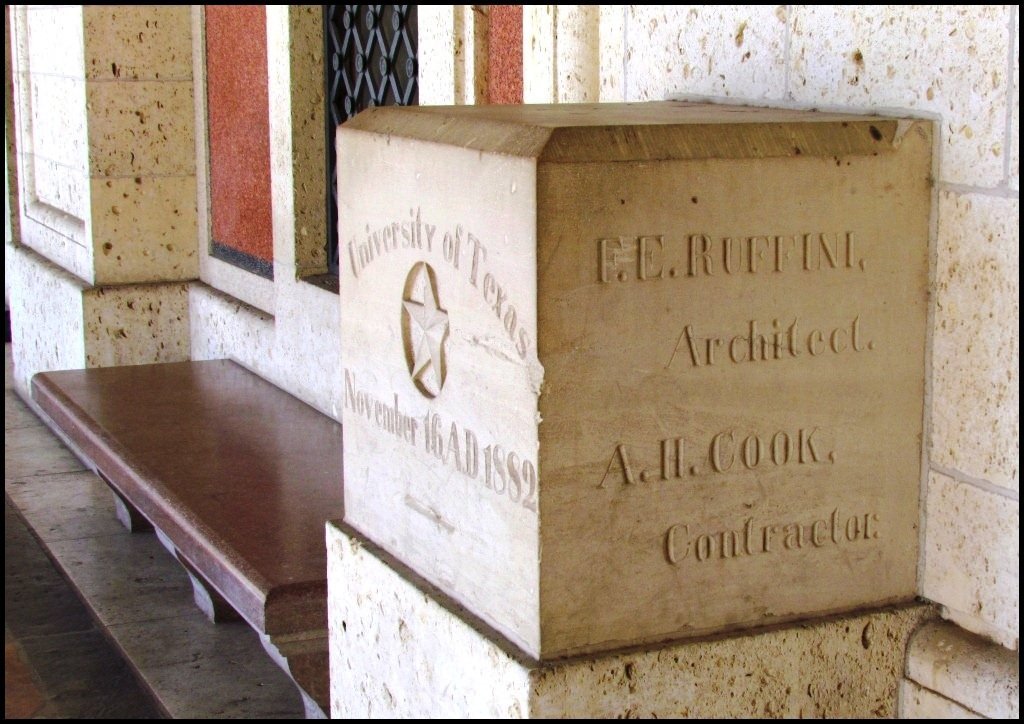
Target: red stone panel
{"type": "Point", "coordinates": [236, 91]}
{"type": "Point", "coordinates": [505, 50]}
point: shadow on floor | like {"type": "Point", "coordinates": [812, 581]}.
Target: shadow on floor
{"type": "Point", "coordinates": [57, 664]}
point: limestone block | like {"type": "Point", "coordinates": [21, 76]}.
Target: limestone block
{"type": "Point", "coordinates": [297, 349]}
{"type": "Point", "coordinates": [948, 60]}
{"type": "Point", "coordinates": [58, 121]}
{"type": "Point", "coordinates": [46, 127]}
{"type": "Point", "coordinates": [1014, 135]}
{"type": "Point", "coordinates": [612, 49]}
{"type": "Point", "coordinates": [53, 140]}
{"type": "Point", "coordinates": [605, 364]}
{"type": "Point", "coordinates": [437, 62]}
{"type": "Point", "coordinates": [61, 323]}
{"type": "Point", "coordinates": [143, 127]}
{"type": "Point", "coordinates": [734, 51]}
{"type": "Point", "coordinates": [44, 233]}
{"type": "Point", "coordinates": [47, 323]}
{"type": "Point", "coordinates": [297, 167]}
{"type": "Point", "coordinates": [976, 358]}
{"type": "Point", "coordinates": [982, 676]}
{"type": "Point", "coordinates": [48, 28]}
{"type": "Point", "coordinates": [398, 650]}
{"type": "Point", "coordinates": [220, 324]}
{"type": "Point", "coordinates": [58, 189]}
{"type": "Point", "coordinates": [972, 557]}
{"type": "Point", "coordinates": [577, 54]}
{"type": "Point", "coordinates": [916, 702]}
{"type": "Point", "coordinates": [138, 42]}
{"type": "Point", "coordinates": [540, 54]}
{"type": "Point", "coordinates": [562, 46]}
{"type": "Point", "coordinates": [136, 323]}
{"type": "Point", "coordinates": [144, 229]}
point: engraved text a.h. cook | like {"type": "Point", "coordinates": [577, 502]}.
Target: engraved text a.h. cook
{"type": "Point", "coordinates": [733, 452]}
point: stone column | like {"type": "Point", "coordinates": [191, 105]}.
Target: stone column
{"type": "Point", "coordinates": [106, 197]}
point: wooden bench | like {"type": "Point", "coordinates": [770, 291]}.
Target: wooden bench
{"type": "Point", "coordinates": [237, 477]}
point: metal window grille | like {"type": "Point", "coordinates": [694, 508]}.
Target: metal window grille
{"type": "Point", "coordinates": [369, 60]}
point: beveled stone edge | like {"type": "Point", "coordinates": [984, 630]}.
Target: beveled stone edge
{"type": "Point", "coordinates": [524, 659]}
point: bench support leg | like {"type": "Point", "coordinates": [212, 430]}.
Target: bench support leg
{"type": "Point", "coordinates": [211, 603]}
{"type": "Point", "coordinates": [305, 659]}
{"type": "Point", "coordinates": [129, 515]}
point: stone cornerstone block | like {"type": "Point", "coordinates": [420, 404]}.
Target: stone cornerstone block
{"type": "Point", "coordinates": [623, 373]}
{"type": "Point", "coordinates": [399, 651]}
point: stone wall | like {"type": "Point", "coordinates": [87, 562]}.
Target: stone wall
{"type": "Point", "coordinates": [101, 182]}
{"type": "Point", "coordinates": [956, 65]}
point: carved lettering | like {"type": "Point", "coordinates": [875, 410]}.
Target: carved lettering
{"type": "Point", "coordinates": [462, 251]}
{"type": "Point", "coordinates": [389, 418]}
{"type": "Point", "coordinates": [649, 257]}
{"type": "Point", "coordinates": [503, 471]}
{"type": "Point", "coordinates": [763, 342]}
{"type": "Point", "coordinates": [736, 451]}
{"type": "Point", "coordinates": [754, 538]}
{"type": "Point", "coordinates": [672, 458]}
{"type": "Point", "coordinates": [756, 451]}
{"type": "Point", "coordinates": [620, 461]}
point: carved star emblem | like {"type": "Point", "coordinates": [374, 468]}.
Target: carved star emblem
{"type": "Point", "coordinates": [424, 330]}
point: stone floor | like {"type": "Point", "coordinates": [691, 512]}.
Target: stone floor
{"type": "Point", "coordinates": [57, 664]}
{"type": "Point", "coordinates": [135, 645]}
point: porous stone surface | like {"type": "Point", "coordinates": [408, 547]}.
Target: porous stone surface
{"type": "Point", "coordinates": [136, 324]}
{"type": "Point", "coordinates": [734, 51]}
{"type": "Point", "coordinates": [144, 228]}
{"type": "Point", "coordinates": [130, 42]}
{"type": "Point", "coordinates": [972, 557]}
{"type": "Point", "coordinates": [141, 127]}
{"type": "Point", "coordinates": [982, 676]}
{"type": "Point", "coordinates": [916, 702]}
{"type": "Point", "coordinates": [1014, 131]}
{"type": "Point", "coordinates": [946, 60]}
{"type": "Point", "coordinates": [61, 323]}
{"type": "Point", "coordinates": [398, 651]}
{"type": "Point", "coordinates": [106, 138]}
{"type": "Point", "coordinates": [297, 349]}
{"type": "Point", "coordinates": [47, 319]}
{"type": "Point", "coordinates": [49, 133]}
{"type": "Point", "coordinates": [976, 356]}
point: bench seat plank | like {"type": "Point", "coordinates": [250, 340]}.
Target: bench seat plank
{"type": "Point", "coordinates": [240, 475]}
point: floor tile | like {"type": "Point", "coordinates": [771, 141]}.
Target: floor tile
{"type": "Point", "coordinates": [197, 690]}
{"type": "Point", "coordinates": [30, 451]}
{"type": "Point", "coordinates": [17, 414]}
{"type": "Point", "coordinates": [66, 506]}
{"type": "Point", "coordinates": [22, 696]}
{"type": "Point", "coordinates": [126, 577]}
{"type": "Point", "coordinates": [57, 663]}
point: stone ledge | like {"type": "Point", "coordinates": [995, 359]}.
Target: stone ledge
{"type": "Point", "coordinates": [963, 667]}
{"type": "Point", "coordinates": [916, 702]}
{"type": "Point", "coordinates": [398, 649]}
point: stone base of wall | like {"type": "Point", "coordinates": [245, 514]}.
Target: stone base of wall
{"type": "Point", "coordinates": [59, 322]}
{"type": "Point", "coordinates": [952, 674]}
{"type": "Point", "coordinates": [297, 348]}
{"type": "Point", "coordinates": [398, 650]}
